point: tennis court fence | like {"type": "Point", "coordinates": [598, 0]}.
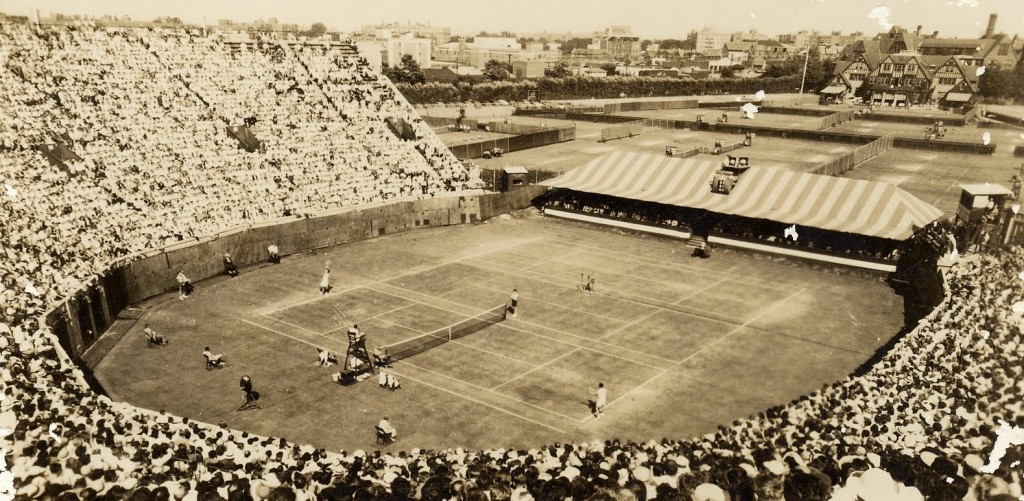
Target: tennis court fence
{"type": "Point", "coordinates": [433, 339]}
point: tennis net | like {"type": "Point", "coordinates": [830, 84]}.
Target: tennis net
{"type": "Point", "coordinates": [433, 339]}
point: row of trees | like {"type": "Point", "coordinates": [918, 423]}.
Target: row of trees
{"type": "Point", "coordinates": [580, 87]}
{"type": "Point", "coordinates": [1002, 84]}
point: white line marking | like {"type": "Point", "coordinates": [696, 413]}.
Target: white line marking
{"type": "Point", "coordinates": [705, 347]}
{"type": "Point", "coordinates": [545, 364]}
{"type": "Point", "coordinates": [501, 395]}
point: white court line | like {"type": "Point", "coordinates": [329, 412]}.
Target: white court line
{"type": "Point", "coordinates": [545, 364]}
{"type": "Point", "coordinates": [704, 348]}
{"type": "Point", "coordinates": [408, 273]}
{"type": "Point", "coordinates": [432, 385]}
{"type": "Point", "coordinates": [308, 301]}
{"type": "Point", "coordinates": [672, 265]}
{"type": "Point", "coordinates": [643, 300]}
{"type": "Point", "coordinates": [651, 314]}
{"type": "Point", "coordinates": [501, 395]}
{"type": "Point", "coordinates": [460, 343]}
{"type": "Point", "coordinates": [552, 329]}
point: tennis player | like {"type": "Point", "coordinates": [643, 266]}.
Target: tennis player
{"type": "Point", "coordinates": [513, 303]}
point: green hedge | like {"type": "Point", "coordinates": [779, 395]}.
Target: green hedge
{"type": "Point", "coordinates": [591, 87]}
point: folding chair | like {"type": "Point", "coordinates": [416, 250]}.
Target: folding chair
{"type": "Point", "coordinates": [382, 436]}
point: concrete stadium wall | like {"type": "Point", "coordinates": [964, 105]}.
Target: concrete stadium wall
{"type": "Point", "coordinates": [496, 204]}
{"type": "Point", "coordinates": [80, 320]}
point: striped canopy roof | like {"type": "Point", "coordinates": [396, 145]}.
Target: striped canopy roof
{"type": "Point", "coordinates": [832, 203]}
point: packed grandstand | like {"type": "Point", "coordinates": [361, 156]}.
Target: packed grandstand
{"type": "Point", "coordinates": [144, 112]}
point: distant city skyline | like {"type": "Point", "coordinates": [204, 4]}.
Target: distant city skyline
{"type": "Point", "coordinates": [648, 18]}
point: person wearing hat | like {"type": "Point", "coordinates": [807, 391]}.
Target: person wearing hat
{"type": "Point", "coordinates": [274, 257]}
{"type": "Point", "coordinates": [229, 266]}
{"type": "Point", "coordinates": [250, 397]}
{"type": "Point", "coordinates": [386, 427]}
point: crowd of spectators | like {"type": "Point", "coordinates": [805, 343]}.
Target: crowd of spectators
{"type": "Point", "coordinates": [918, 422]}
{"type": "Point", "coordinates": [617, 208]}
{"type": "Point", "coordinates": [766, 231]}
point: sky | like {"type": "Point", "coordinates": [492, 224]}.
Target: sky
{"type": "Point", "coordinates": [649, 18]}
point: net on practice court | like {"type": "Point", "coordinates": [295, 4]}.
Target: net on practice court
{"type": "Point", "coordinates": [431, 340]}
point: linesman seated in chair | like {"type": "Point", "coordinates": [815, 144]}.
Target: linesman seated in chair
{"type": "Point", "coordinates": [389, 381]}
{"type": "Point", "coordinates": [273, 256]}
{"type": "Point", "coordinates": [213, 361]}
{"type": "Point", "coordinates": [152, 338]}
{"type": "Point", "coordinates": [381, 357]}
{"type": "Point", "coordinates": [384, 427]}
{"type": "Point", "coordinates": [229, 266]}
{"type": "Point", "coordinates": [325, 358]}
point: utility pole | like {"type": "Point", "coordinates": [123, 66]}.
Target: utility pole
{"type": "Point", "coordinates": [804, 77]}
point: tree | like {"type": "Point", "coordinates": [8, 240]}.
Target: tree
{"type": "Point", "coordinates": [317, 29]}
{"type": "Point", "coordinates": [559, 70]}
{"type": "Point", "coordinates": [671, 44]}
{"type": "Point", "coordinates": [575, 43]}
{"type": "Point", "coordinates": [818, 72]}
{"type": "Point", "coordinates": [409, 72]}
{"type": "Point", "coordinates": [497, 70]}
{"type": "Point", "coordinates": [728, 73]}
{"type": "Point", "coordinates": [610, 69]}
{"type": "Point", "coordinates": [1002, 83]}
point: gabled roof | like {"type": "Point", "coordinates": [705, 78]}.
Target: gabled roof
{"type": "Point", "coordinates": [970, 72]}
{"type": "Point", "coordinates": [841, 67]}
{"type": "Point", "coordinates": [934, 62]}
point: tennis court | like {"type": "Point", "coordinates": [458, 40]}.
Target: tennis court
{"type": "Point", "coordinates": [683, 344]}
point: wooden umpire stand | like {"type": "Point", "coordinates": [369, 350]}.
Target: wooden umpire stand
{"type": "Point", "coordinates": [356, 350]}
{"type": "Point", "coordinates": [513, 178]}
{"type": "Point", "coordinates": [985, 217]}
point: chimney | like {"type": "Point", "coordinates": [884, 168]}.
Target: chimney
{"type": "Point", "coordinates": [918, 32]}
{"type": "Point", "coordinates": [935, 34]}
{"type": "Point", "coordinates": [991, 30]}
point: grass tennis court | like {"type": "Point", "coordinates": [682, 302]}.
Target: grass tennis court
{"type": "Point", "coordinates": [684, 345]}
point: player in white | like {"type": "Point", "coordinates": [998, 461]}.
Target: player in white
{"type": "Point", "coordinates": [601, 401]}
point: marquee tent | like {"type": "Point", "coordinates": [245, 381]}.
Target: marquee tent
{"type": "Point", "coordinates": [846, 205]}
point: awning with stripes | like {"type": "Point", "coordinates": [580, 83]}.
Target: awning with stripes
{"type": "Point", "coordinates": [833, 89]}
{"type": "Point", "coordinates": [958, 97]}
{"type": "Point", "coordinates": [839, 204]}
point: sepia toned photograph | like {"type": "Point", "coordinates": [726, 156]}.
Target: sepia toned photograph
{"type": "Point", "coordinates": [471, 250]}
